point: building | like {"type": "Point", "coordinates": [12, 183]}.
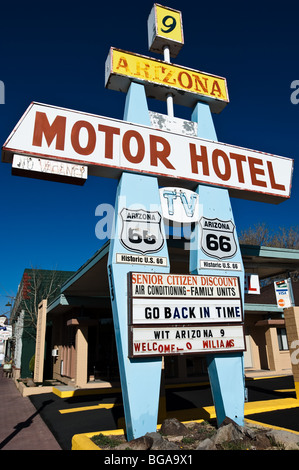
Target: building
{"type": "Point", "coordinates": [82, 333]}
{"type": "Point", "coordinates": [35, 285]}
{"type": "Point", "coordinates": [5, 335]}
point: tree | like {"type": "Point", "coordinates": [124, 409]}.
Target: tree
{"type": "Point", "coordinates": [261, 235]}
{"type": "Point", "coordinates": [36, 285]}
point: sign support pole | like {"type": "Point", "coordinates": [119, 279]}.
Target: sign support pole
{"type": "Point", "coordinates": [226, 370]}
{"type": "Point", "coordinates": [140, 378]}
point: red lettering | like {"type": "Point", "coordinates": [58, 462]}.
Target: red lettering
{"type": "Point", "coordinates": [203, 86]}
{"type": "Point", "coordinates": [91, 142]}
{"type": "Point", "coordinates": [56, 129]}
{"type": "Point", "coordinates": [239, 159]}
{"type": "Point", "coordinates": [161, 154]}
{"type": "Point", "coordinates": [154, 347]}
{"type": "Point", "coordinates": [140, 147]}
{"type": "Point", "coordinates": [216, 89]}
{"type": "Point", "coordinates": [168, 77]}
{"type": "Point", "coordinates": [109, 133]}
{"type": "Point", "coordinates": [227, 169]}
{"type": "Point", "coordinates": [203, 159]}
{"type": "Point", "coordinates": [189, 80]}
{"type": "Point", "coordinates": [256, 171]}
{"type": "Point", "coordinates": [274, 185]}
{"type": "Point", "coordinates": [123, 64]}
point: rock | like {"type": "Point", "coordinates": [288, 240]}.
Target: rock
{"type": "Point", "coordinates": [227, 421]}
{"type": "Point", "coordinates": [242, 429]}
{"type": "Point", "coordinates": [156, 436]}
{"type": "Point", "coordinates": [164, 445]}
{"type": "Point", "coordinates": [141, 443]}
{"type": "Point", "coordinates": [261, 441]}
{"type": "Point", "coordinates": [173, 427]}
{"type": "Point", "coordinates": [175, 438]}
{"type": "Point", "coordinates": [287, 439]}
{"type": "Point", "coordinates": [230, 432]}
{"type": "Point", "coordinates": [249, 432]}
{"type": "Point", "coordinates": [206, 444]}
{"type": "Point", "coordinates": [159, 443]}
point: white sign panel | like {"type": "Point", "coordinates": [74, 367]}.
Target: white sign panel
{"type": "Point", "coordinates": [225, 265]}
{"type": "Point", "coordinates": [109, 147]}
{"type": "Point", "coordinates": [185, 340]}
{"type": "Point", "coordinates": [284, 293]}
{"type": "Point", "coordinates": [252, 284]}
{"type": "Point", "coordinates": [44, 169]}
{"type": "Point", "coordinates": [183, 311]}
{"type": "Point", "coordinates": [125, 258]}
{"type": "Point", "coordinates": [155, 285]}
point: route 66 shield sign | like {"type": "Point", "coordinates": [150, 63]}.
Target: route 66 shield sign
{"type": "Point", "coordinates": [218, 238]}
{"type": "Point", "coordinates": [141, 231]}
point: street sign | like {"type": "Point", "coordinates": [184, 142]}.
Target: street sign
{"type": "Point", "coordinates": [109, 147]}
{"type": "Point", "coordinates": [141, 231]}
{"type": "Point", "coordinates": [218, 238]}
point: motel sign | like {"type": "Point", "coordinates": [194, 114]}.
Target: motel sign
{"type": "Point", "coordinates": [163, 175]}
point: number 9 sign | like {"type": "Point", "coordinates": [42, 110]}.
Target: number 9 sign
{"type": "Point", "coordinates": [165, 29]}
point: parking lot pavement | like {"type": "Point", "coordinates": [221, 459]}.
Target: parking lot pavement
{"type": "Point", "coordinates": [79, 414]}
{"type": "Point", "coordinates": [72, 415]}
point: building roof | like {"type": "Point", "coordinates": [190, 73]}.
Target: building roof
{"type": "Point", "coordinates": [91, 279]}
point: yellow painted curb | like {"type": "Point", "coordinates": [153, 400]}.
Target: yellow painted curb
{"type": "Point", "coordinates": [83, 441]}
{"type": "Point", "coordinates": [100, 406]}
{"type": "Point", "coordinates": [270, 405]}
{"type": "Point", "coordinates": [269, 426]}
{"type": "Point", "coordinates": [84, 391]}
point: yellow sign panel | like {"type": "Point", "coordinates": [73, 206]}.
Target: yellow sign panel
{"type": "Point", "coordinates": [187, 85]}
{"type": "Point", "coordinates": [169, 24]}
{"type": "Point", "coordinates": [165, 28]}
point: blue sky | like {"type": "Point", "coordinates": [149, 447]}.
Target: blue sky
{"type": "Point", "coordinates": [56, 55]}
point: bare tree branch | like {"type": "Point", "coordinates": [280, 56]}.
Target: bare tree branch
{"type": "Point", "coordinates": [261, 235]}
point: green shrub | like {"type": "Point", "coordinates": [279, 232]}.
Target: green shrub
{"type": "Point", "coordinates": [31, 363]}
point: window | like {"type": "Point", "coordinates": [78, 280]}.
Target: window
{"type": "Point", "coordinates": [282, 339]}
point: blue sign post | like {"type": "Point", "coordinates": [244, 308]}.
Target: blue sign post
{"type": "Point", "coordinates": [215, 250]}
{"type": "Point", "coordinates": [138, 244]}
